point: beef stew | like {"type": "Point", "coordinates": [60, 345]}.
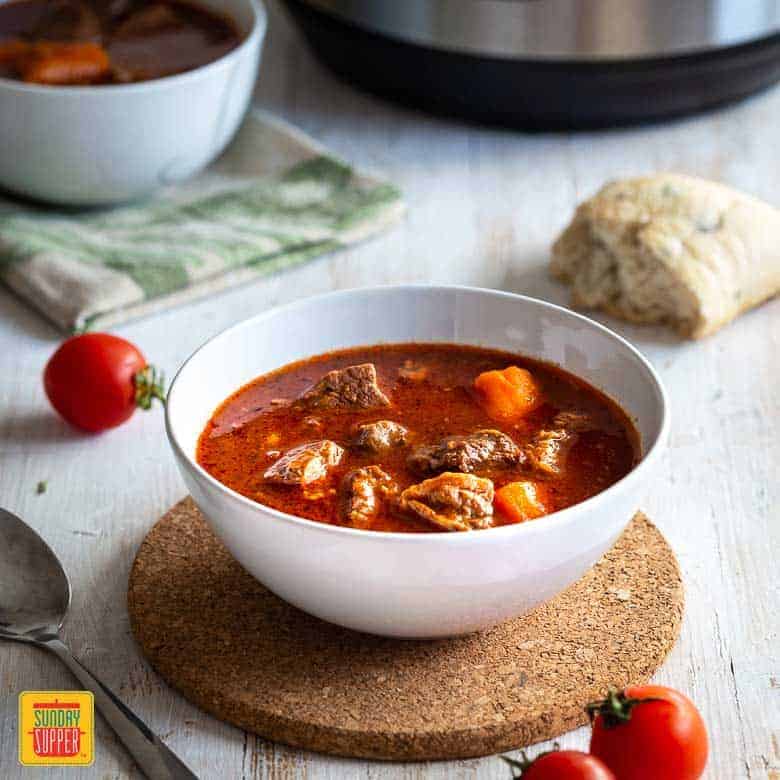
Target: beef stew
{"type": "Point", "coordinates": [83, 42]}
{"type": "Point", "coordinates": [418, 438]}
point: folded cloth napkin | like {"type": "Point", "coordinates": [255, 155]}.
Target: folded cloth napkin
{"type": "Point", "coordinates": [274, 199]}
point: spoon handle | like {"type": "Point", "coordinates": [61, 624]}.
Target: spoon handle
{"type": "Point", "coordinates": [156, 760]}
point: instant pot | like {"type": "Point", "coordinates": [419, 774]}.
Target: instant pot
{"type": "Point", "coordinates": [550, 63]}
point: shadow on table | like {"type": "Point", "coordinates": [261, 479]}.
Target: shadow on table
{"type": "Point", "coordinates": [536, 281]}
{"type": "Point", "coordinates": [39, 426]}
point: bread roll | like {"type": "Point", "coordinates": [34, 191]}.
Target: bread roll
{"type": "Point", "coordinates": [671, 249]}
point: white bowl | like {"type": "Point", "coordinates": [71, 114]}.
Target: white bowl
{"type": "Point", "coordinates": [99, 145]}
{"type": "Point", "coordinates": [415, 585]}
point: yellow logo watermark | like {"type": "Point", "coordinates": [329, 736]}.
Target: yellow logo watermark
{"type": "Point", "coordinates": [56, 728]}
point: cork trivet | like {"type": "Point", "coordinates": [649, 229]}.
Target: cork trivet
{"type": "Point", "coordinates": [242, 654]}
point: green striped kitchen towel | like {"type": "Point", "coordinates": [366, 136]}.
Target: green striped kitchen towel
{"type": "Point", "coordinates": [274, 199]}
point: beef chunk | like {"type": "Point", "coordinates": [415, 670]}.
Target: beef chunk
{"type": "Point", "coordinates": [354, 387]}
{"type": "Point", "coordinates": [68, 20]}
{"type": "Point", "coordinates": [574, 422]}
{"type": "Point", "coordinates": [453, 502]}
{"type": "Point", "coordinates": [142, 21]}
{"type": "Point", "coordinates": [381, 435]}
{"type": "Point", "coordinates": [479, 450]}
{"type": "Point", "coordinates": [305, 463]}
{"type": "Point", "coordinates": [548, 449]}
{"type": "Point", "coordinates": [413, 372]}
{"type": "Point", "coordinates": [363, 491]}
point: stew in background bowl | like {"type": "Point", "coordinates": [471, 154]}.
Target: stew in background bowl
{"type": "Point", "coordinates": [102, 144]}
{"type": "Point", "coordinates": [83, 42]}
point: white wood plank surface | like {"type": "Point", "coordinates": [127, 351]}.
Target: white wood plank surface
{"type": "Point", "coordinates": [484, 205]}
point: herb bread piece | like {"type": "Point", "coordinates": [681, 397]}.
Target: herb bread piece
{"type": "Point", "coordinates": [671, 249]}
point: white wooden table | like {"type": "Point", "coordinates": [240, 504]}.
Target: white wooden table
{"type": "Point", "coordinates": [484, 206]}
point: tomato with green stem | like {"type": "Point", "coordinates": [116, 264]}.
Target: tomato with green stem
{"type": "Point", "coordinates": [647, 732]}
{"type": "Point", "coordinates": [559, 765]}
{"type": "Point", "coordinates": [96, 381]}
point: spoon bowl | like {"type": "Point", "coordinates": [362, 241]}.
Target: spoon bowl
{"type": "Point", "coordinates": [34, 589]}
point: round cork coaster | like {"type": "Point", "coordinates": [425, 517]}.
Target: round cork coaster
{"type": "Point", "coordinates": [239, 652]}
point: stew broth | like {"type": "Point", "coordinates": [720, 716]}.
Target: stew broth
{"type": "Point", "coordinates": [79, 42]}
{"type": "Point", "coordinates": [431, 394]}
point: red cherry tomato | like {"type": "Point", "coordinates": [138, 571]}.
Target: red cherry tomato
{"type": "Point", "coordinates": [561, 765]}
{"type": "Point", "coordinates": [96, 381]}
{"type": "Point", "coordinates": [649, 732]}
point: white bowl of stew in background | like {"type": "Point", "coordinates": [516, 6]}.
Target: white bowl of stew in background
{"type": "Point", "coordinates": [111, 143]}
{"type": "Point", "coordinates": [427, 584]}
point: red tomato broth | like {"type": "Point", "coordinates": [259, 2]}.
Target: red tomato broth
{"type": "Point", "coordinates": [235, 445]}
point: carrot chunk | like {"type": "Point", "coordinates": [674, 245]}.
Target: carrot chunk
{"type": "Point", "coordinates": [508, 394]}
{"type": "Point", "coordinates": [519, 501]}
{"type": "Point", "coordinates": [11, 51]}
{"type": "Point", "coordinates": [54, 63]}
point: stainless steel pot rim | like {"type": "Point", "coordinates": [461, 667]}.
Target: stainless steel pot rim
{"type": "Point", "coordinates": [570, 30]}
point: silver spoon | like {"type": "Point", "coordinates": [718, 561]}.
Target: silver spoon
{"type": "Point", "coordinates": [34, 599]}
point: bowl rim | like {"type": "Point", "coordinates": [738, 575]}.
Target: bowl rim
{"type": "Point", "coordinates": [554, 519]}
{"type": "Point", "coordinates": [256, 34]}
